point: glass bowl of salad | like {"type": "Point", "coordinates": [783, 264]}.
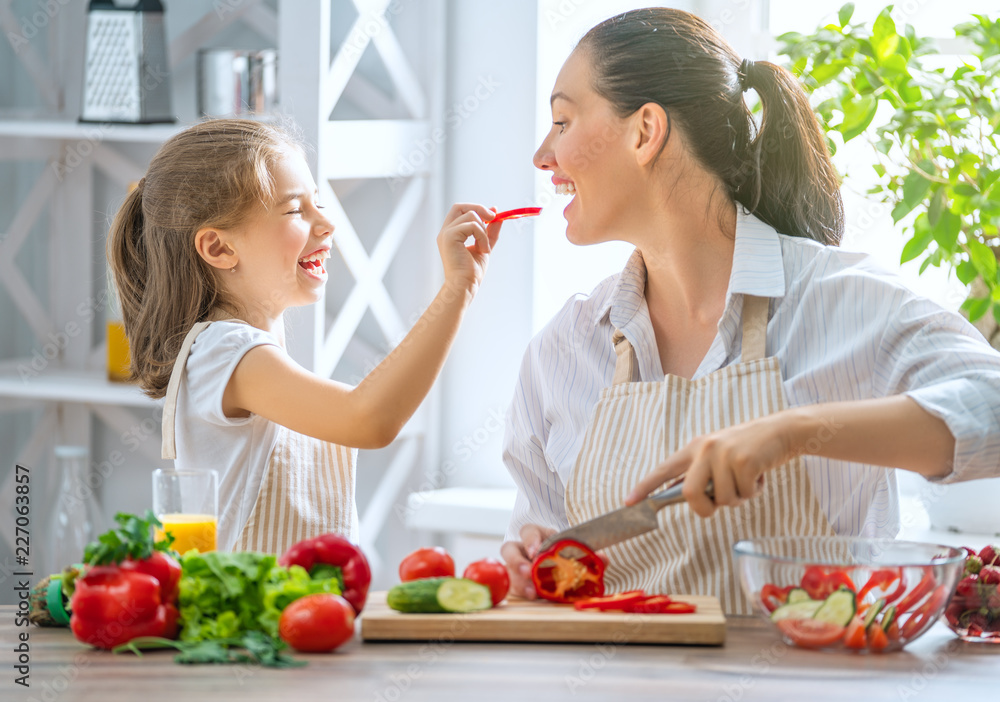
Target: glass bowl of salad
{"type": "Point", "coordinates": [845, 593]}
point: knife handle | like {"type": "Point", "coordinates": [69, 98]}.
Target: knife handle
{"type": "Point", "coordinates": [672, 495]}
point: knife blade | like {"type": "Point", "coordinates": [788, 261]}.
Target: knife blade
{"type": "Point", "coordinates": [623, 523]}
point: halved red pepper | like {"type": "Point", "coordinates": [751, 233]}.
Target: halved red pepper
{"type": "Point", "coordinates": [334, 550]}
{"type": "Point", "coordinates": [561, 576]}
{"type": "Point", "coordinates": [620, 601]}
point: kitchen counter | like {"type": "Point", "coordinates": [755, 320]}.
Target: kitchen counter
{"type": "Point", "coordinates": [753, 665]}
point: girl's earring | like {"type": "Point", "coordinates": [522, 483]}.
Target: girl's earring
{"type": "Point", "coordinates": [233, 269]}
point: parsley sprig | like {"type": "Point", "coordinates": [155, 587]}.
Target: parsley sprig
{"type": "Point", "coordinates": [132, 539]}
{"type": "Point", "coordinates": [254, 647]}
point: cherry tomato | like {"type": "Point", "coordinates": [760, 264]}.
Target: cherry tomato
{"type": "Point", "coordinates": [811, 633]}
{"type": "Point", "coordinates": [427, 563]}
{"type": "Point", "coordinates": [317, 623]}
{"type": "Point", "coordinates": [491, 573]}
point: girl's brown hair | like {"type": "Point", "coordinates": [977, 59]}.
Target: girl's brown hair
{"type": "Point", "coordinates": [781, 171]}
{"type": "Point", "coordinates": [214, 174]}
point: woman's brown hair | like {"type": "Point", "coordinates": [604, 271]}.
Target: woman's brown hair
{"type": "Point", "coordinates": [780, 172]}
{"type": "Point", "coordinates": [214, 174]}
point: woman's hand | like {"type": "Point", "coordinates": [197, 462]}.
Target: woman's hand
{"type": "Point", "coordinates": [464, 266]}
{"type": "Point", "coordinates": [734, 459]}
{"type": "Point", "coordinates": [518, 556]}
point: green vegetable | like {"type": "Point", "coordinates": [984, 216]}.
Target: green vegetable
{"type": "Point", "coordinates": [890, 615]}
{"type": "Point", "coordinates": [434, 595]}
{"type": "Point", "coordinates": [873, 612]}
{"type": "Point", "coordinates": [260, 649]}
{"type": "Point", "coordinates": [797, 594]}
{"type": "Point", "coordinates": [226, 595]}
{"type": "Point", "coordinates": [838, 608]}
{"type": "Point", "coordinates": [133, 539]}
{"type": "Point", "coordinates": [796, 610]}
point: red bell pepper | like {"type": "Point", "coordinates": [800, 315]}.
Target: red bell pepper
{"type": "Point", "coordinates": [334, 550]}
{"type": "Point", "coordinates": [112, 606]}
{"type": "Point", "coordinates": [773, 596]}
{"type": "Point", "coordinates": [881, 579]}
{"type": "Point", "coordinates": [918, 593]}
{"type": "Point", "coordinates": [820, 584]}
{"type": "Point", "coordinates": [661, 604]}
{"type": "Point", "coordinates": [923, 613]}
{"type": "Point", "coordinates": [561, 576]}
{"type": "Point", "coordinates": [129, 587]}
{"type": "Point", "coordinates": [610, 603]}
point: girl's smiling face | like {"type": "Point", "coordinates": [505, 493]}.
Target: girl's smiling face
{"type": "Point", "coordinates": [588, 150]}
{"type": "Point", "coordinates": [282, 249]}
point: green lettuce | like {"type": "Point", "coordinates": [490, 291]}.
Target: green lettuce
{"type": "Point", "coordinates": [225, 595]}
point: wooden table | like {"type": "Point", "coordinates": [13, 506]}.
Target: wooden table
{"type": "Point", "coordinates": [753, 665]}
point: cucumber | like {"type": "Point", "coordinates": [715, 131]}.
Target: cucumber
{"type": "Point", "coordinates": [838, 608]}
{"type": "Point", "coordinates": [873, 612]}
{"type": "Point", "coordinates": [796, 610]}
{"type": "Point", "coordinates": [797, 594]}
{"type": "Point", "coordinates": [887, 619]}
{"type": "Point", "coordinates": [436, 595]}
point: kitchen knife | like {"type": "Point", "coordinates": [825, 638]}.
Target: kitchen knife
{"type": "Point", "coordinates": [624, 523]}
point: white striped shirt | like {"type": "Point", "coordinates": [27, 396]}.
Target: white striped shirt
{"type": "Point", "coordinates": [841, 327]}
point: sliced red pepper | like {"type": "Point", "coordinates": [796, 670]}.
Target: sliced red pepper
{"type": "Point", "coordinates": [881, 579]}
{"type": "Point", "coordinates": [661, 604]}
{"type": "Point", "coordinates": [918, 593]}
{"type": "Point", "coordinates": [620, 601]}
{"type": "Point", "coordinates": [773, 596]}
{"type": "Point", "coordinates": [924, 612]}
{"type": "Point", "coordinates": [515, 214]}
{"type": "Point", "coordinates": [334, 550]}
{"type": "Point", "coordinates": [820, 584]}
{"type": "Point", "coordinates": [560, 575]}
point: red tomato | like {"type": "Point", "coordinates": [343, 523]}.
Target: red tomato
{"type": "Point", "coordinates": [317, 623]}
{"type": "Point", "coordinates": [427, 563]}
{"type": "Point", "coordinates": [491, 573]}
{"type": "Point", "coordinates": [854, 637]}
{"type": "Point", "coordinates": [811, 633]}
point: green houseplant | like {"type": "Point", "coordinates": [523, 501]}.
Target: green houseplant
{"type": "Point", "coordinates": [931, 123]}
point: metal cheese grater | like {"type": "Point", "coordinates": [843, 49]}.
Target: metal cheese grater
{"type": "Point", "coordinates": [126, 76]}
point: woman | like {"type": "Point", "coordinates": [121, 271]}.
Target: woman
{"type": "Point", "coordinates": [739, 345]}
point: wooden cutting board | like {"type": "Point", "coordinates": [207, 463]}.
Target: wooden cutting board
{"type": "Point", "coordinates": [541, 621]}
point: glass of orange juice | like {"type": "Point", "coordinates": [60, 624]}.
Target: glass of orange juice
{"type": "Point", "coordinates": [187, 504]}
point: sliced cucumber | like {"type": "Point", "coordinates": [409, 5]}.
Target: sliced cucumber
{"type": "Point", "coordinates": [873, 612]}
{"type": "Point", "coordinates": [887, 619]}
{"type": "Point", "coordinates": [796, 610]}
{"type": "Point", "coordinates": [797, 594]}
{"type": "Point", "coordinates": [435, 595]}
{"type": "Point", "coordinates": [838, 608]}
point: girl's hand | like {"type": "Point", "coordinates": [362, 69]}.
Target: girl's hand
{"type": "Point", "coordinates": [518, 556]}
{"type": "Point", "coordinates": [464, 266]}
{"type": "Point", "coordinates": [734, 459]}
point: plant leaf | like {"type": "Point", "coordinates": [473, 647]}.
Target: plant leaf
{"type": "Point", "coordinates": [845, 14]}
{"type": "Point", "coordinates": [966, 272]}
{"type": "Point", "coordinates": [858, 114]}
{"type": "Point", "coordinates": [884, 37]}
{"type": "Point", "coordinates": [983, 259]}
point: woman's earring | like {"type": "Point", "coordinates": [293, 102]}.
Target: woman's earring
{"type": "Point", "coordinates": [233, 269]}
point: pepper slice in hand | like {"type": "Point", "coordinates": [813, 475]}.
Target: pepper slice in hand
{"type": "Point", "coordinates": [515, 214]}
{"type": "Point", "coordinates": [336, 551]}
{"type": "Point", "coordinates": [112, 606]}
{"type": "Point", "coordinates": [567, 572]}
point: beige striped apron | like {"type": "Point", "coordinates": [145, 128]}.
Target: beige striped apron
{"type": "Point", "coordinates": [307, 487]}
{"type": "Point", "coordinates": [636, 425]}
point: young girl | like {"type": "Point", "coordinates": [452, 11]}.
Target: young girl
{"type": "Point", "coordinates": [739, 345]}
{"type": "Point", "coordinates": [222, 235]}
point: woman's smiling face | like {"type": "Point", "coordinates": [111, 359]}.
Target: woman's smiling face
{"type": "Point", "coordinates": [588, 150]}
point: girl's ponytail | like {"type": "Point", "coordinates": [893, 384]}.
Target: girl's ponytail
{"type": "Point", "coordinates": [790, 182]}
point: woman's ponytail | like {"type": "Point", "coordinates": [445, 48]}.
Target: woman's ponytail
{"type": "Point", "coordinates": [790, 181]}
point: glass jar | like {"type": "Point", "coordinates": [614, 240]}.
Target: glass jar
{"type": "Point", "coordinates": [77, 518]}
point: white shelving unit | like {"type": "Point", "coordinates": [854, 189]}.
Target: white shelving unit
{"type": "Point", "coordinates": [314, 77]}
